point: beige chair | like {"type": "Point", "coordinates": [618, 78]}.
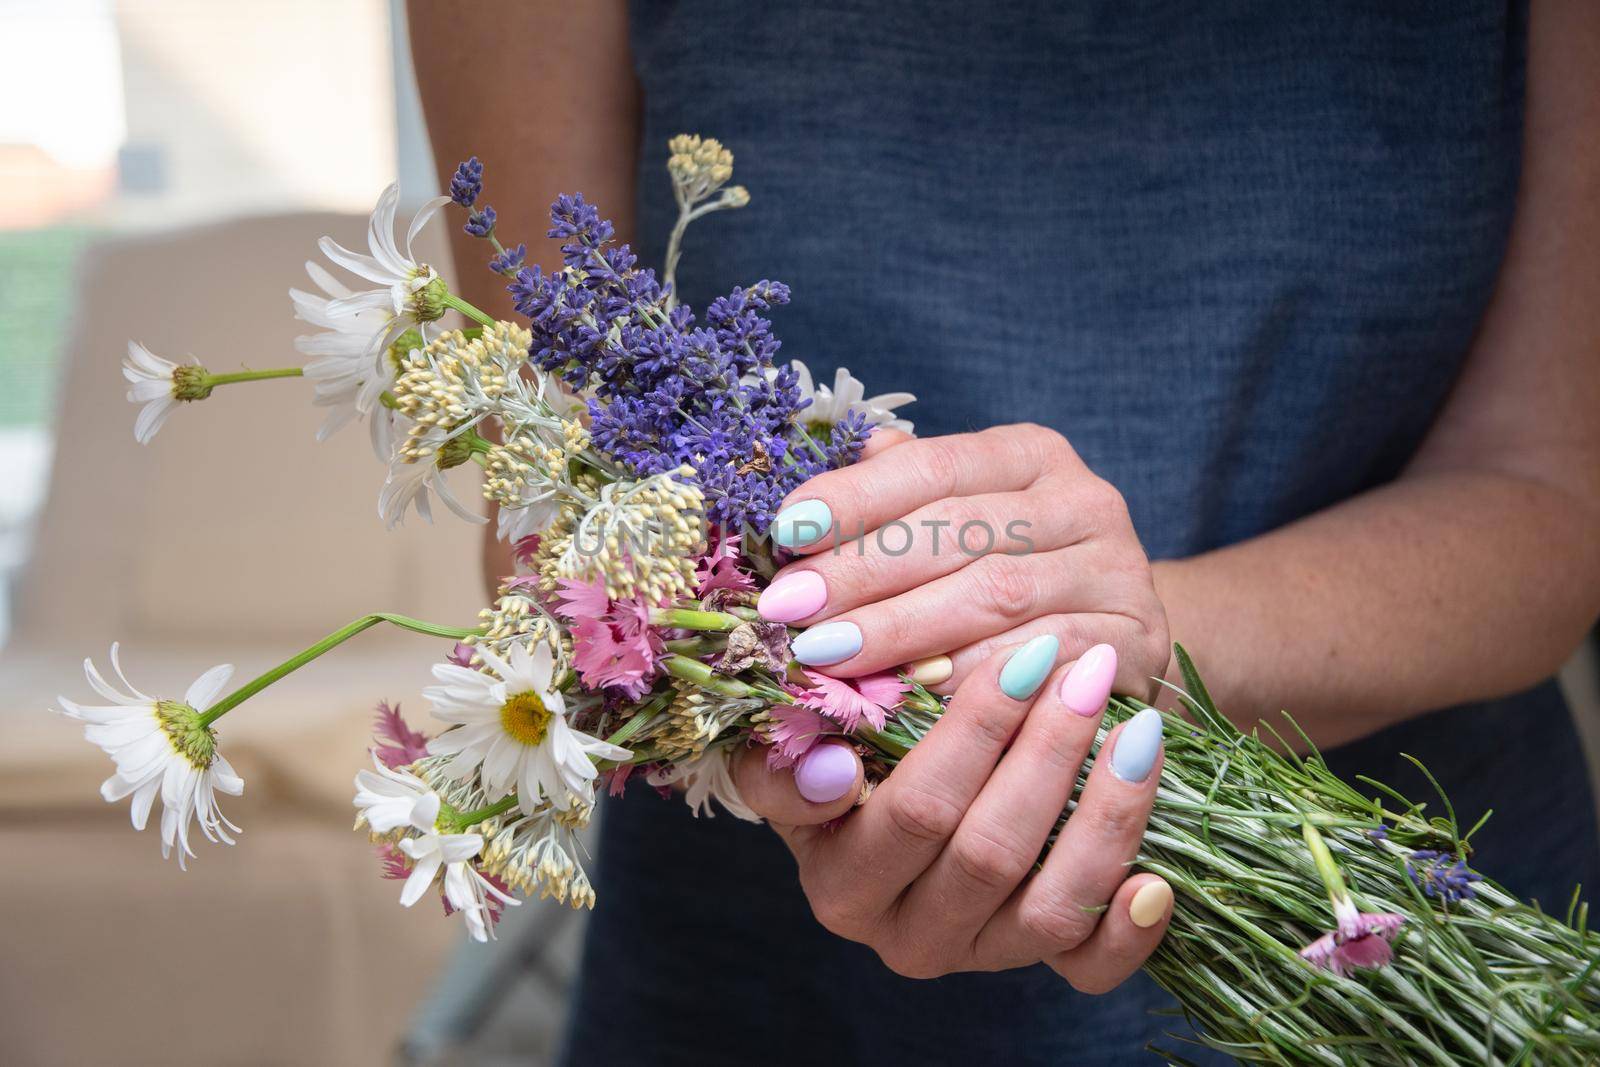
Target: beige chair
{"type": "Point", "coordinates": [234, 537]}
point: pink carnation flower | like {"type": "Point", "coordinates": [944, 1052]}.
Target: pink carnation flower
{"type": "Point", "coordinates": [405, 745]}
{"type": "Point", "coordinates": [794, 730]}
{"type": "Point", "coordinates": [613, 644]}
{"type": "Point", "coordinates": [849, 700]}
{"type": "Point", "coordinates": [1361, 939]}
{"type": "Point", "coordinates": [719, 567]}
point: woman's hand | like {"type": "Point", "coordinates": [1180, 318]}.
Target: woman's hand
{"type": "Point", "coordinates": [936, 870]}
{"type": "Point", "coordinates": [953, 547]}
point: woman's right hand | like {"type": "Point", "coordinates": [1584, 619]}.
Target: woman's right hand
{"type": "Point", "coordinates": [936, 871]}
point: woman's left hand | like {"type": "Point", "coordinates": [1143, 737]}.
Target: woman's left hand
{"type": "Point", "coordinates": [945, 549]}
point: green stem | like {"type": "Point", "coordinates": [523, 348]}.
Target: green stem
{"type": "Point", "coordinates": [333, 640]}
{"type": "Point", "coordinates": [451, 300]}
{"type": "Point", "coordinates": [717, 622]}
{"type": "Point", "coordinates": [701, 674]}
{"type": "Point", "coordinates": [211, 380]}
{"type": "Point", "coordinates": [461, 820]}
{"type": "Point", "coordinates": [1327, 867]}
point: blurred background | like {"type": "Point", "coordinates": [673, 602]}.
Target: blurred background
{"type": "Point", "coordinates": [166, 167]}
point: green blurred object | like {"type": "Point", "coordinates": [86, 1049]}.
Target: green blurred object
{"type": "Point", "coordinates": [36, 297]}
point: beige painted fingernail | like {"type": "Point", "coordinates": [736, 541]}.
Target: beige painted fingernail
{"type": "Point", "coordinates": [931, 671]}
{"type": "Point", "coordinates": [1150, 904]}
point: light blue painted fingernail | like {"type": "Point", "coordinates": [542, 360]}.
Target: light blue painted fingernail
{"type": "Point", "coordinates": [1025, 671]}
{"type": "Point", "coordinates": [1138, 745]}
{"type": "Point", "coordinates": [799, 525]}
{"type": "Point", "coordinates": [828, 643]}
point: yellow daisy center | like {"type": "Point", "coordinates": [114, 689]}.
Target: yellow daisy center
{"type": "Point", "coordinates": [524, 718]}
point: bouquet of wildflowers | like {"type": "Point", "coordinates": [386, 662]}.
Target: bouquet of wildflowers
{"type": "Point", "coordinates": [637, 453]}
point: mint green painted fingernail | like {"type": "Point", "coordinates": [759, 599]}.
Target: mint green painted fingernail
{"type": "Point", "coordinates": [1025, 671]}
{"type": "Point", "coordinates": [799, 525]}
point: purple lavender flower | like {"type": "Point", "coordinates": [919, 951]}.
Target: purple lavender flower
{"type": "Point", "coordinates": [467, 182]}
{"type": "Point", "coordinates": [481, 223]}
{"type": "Point", "coordinates": [510, 261]}
{"type": "Point", "coordinates": [666, 391]}
{"type": "Point", "coordinates": [1442, 875]}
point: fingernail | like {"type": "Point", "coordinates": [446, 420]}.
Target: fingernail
{"type": "Point", "coordinates": [828, 643]}
{"type": "Point", "coordinates": [1138, 745]}
{"type": "Point", "coordinates": [802, 524]}
{"type": "Point", "coordinates": [1149, 905]}
{"type": "Point", "coordinates": [1025, 671]}
{"type": "Point", "coordinates": [1087, 685]}
{"type": "Point", "coordinates": [826, 773]}
{"type": "Point", "coordinates": [931, 671]}
{"type": "Point", "coordinates": [797, 595]}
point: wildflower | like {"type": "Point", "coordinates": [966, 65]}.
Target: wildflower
{"type": "Point", "coordinates": [829, 407]}
{"type": "Point", "coordinates": [718, 567]}
{"type": "Point", "coordinates": [409, 292]}
{"type": "Point", "coordinates": [793, 730]}
{"type": "Point", "coordinates": [705, 778]}
{"type": "Point", "coordinates": [613, 644]}
{"type": "Point", "coordinates": [1359, 939]}
{"type": "Point", "coordinates": [697, 717]}
{"type": "Point", "coordinates": [511, 727]}
{"type": "Point", "coordinates": [405, 745]}
{"type": "Point", "coordinates": [467, 182]}
{"type": "Point", "coordinates": [347, 374]}
{"type": "Point", "coordinates": [408, 484]}
{"type": "Point", "coordinates": [847, 701]}
{"type": "Point", "coordinates": [539, 851]}
{"type": "Point", "coordinates": [162, 747]}
{"type": "Point", "coordinates": [160, 385]}
{"type": "Point", "coordinates": [1442, 875]}
{"type": "Point", "coordinates": [640, 539]}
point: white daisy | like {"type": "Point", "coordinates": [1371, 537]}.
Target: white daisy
{"type": "Point", "coordinates": [391, 800]}
{"type": "Point", "coordinates": [409, 291]}
{"type": "Point", "coordinates": [705, 778]}
{"type": "Point", "coordinates": [347, 375]}
{"type": "Point", "coordinates": [160, 385]}
{"type": "Point", "coordinates": [161, 747]}
{"type": "Point", "coordinates": [408, 483]}
{"type": "Point", "coordinates": [514, 728]}
{"type": "Point", "coordinates": [847, 395]}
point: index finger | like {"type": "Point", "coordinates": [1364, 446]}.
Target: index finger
{"type": "Point", "coordinates": [839, 505]}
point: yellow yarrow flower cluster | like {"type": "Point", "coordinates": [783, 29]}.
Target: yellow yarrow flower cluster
{"type": "Point", "coordinates": [699, 166]}
{"type": "Point", "coordinates": [539, 852]}
{"type": "Point", "coordinates": [454, 380]}
{"type": "Point", "coordinates": [640, 539]}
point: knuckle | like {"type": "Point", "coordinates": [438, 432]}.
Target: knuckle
{"type": "Point", "coordinates": [1055, 924]}
{"type": "Point", "coordinates": [995, 725]}
{"type": "Point", "coordinates": [940, 465]}
{"type": "Point", "coordinates": [922, 816]}
{"type": "Point", "coordinates": [1114, 823]}
{"type": "Point", "coordinates": [910, 962]}
{"type": "Point", "coordinates": [835, 917]}
{"type": "Point", "coordinates": [1008, 584]}
{"type": "Point", "coordinates": [987, 861]}
{"type": "Point", "coordinates": [1105, 500]}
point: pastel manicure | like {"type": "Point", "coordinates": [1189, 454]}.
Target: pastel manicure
{"type": "Point", "coordinates": [797, 595]}
{"type": "Point", "coordinates": [1138, 745]}
{"type": "Point", "coordinates": [829, 643]}
{"type": "Point", "coordinates": [826, 773]}
{"type": "Point", "coordinates": [934, 670]}
{"type": "Point", "coordinates": [1149, 904]}
{"type": "Point", "coordinates": [1087, 685]}
{"type": "Point", "coordinates": [802, 524]}
{"type": "Point", "coordinates": [1025, 671]}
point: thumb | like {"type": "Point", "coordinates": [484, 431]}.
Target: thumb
{"type": "Point", "coordinates": [823, 785]}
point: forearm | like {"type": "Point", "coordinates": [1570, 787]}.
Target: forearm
{"type": "Point", "coordinates": [544, 95]}
{"type": "Point", "coordinates": [1437, 589]}
{"type": "Point", "coordinates": [1478, 571]}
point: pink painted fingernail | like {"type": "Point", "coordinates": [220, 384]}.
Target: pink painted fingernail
{"type": "Point", "coordinates": [826, 773]}
{"type": "Point", "coordinates": [1087, 685]}
{"type": "Point", "coordinates": [793, 597]}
